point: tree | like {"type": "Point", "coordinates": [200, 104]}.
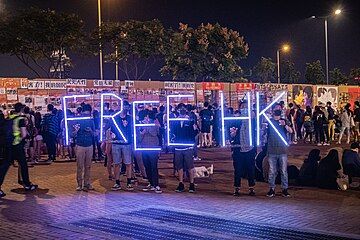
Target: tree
{"type": "Point", "coordinates": [138, 44]}
{"type": "Point", "coordinates": [39, 39]}
{"type": "Point", "coordinates": [354, 76]}
{"type": "Point", "coordinates": [265, 70]}
{"type": "Point", "coordinates": [337, 77]}
{"type": "Point", "coordinates": [209, 52]}
{"type": "Point", "coordinates": [288, 72]}
{"type": "Point", "coordinates": [314, 73]}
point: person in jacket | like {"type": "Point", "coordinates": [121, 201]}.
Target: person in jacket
{"type": "Point", "coordinates": [308, 170]}
{"type": "Point", "coordinates": [50, 130]}
{"type": "Point", "coordinates": [331, 119]}
{"type": "Point", "coordinates": [357, 120]}
{"type": "Point", "coordinates": [328, 171]}
{"type": "Point", "coordinates": [346, 119]}
{"type": "Point", "coordinates": [319, 119]}
{"type": "Point", "coordinates": [351, 160]}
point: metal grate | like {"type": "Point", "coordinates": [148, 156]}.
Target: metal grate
{"type": "Point", "coordinates": [228, 227]}
{"type": "Point", "coordinates": [133, 230]}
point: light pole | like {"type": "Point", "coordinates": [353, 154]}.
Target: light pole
{"type": "Point", "coordinates": [100, 50]}
{"type": "Point", "coordinates": [336, 12]}
{"type": "Point", "coordinates": [284, 48]}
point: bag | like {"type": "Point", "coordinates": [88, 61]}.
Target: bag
{"type": "Point", "coordinates": [343, 183]}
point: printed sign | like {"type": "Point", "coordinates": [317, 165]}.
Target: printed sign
{"type": "Point", "coordinates": [179, 85]}
{"type": "Point", "coordinates": [24, 83]}
{"type": "Point", "coordinates": [34, 84]}
{"type": "Point", "coordinates": [76, 82]}
{"type": "Point", "coordinates": [245, 86]}
{"type": "Point", "coordinates": [2, 91]}
{"type": "Point", "coordinates": [129, 84]}
{"type": "Point", "coordinates": [55, 84]}
{"type": "Point", "coordinates": [213, 86]}
{"type": "Point", "coordinates": [103, 83]}
{"type": "Point", "coordinates": [11, 94]}
{"type": "Point", "coordinates": [327, 94]}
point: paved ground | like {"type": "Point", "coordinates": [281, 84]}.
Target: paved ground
{"type": "Point", "coordinates": [57, 211]}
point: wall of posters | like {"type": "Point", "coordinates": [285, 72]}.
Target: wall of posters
{"type": "Point", "coordinates": [327, 94]}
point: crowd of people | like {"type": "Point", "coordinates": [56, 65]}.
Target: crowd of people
{"type": "Point", "coordinates": [25, 134]}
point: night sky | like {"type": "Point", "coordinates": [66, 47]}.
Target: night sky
{"type": "Point", "coordinates": [264, 24]}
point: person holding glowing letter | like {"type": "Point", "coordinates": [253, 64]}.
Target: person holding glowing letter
{"type": "Point", "coordinates": [277, 152]}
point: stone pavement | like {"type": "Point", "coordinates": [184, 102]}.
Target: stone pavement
{"type": "Point", "coordinates": [57, 211]}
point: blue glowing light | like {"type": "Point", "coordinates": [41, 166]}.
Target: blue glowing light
{"type": "Point", "coordinates": [112, 117]}
{"type": "Point", "coordinates": [223, 118]}
{"type": "Point", "coordinates": [66, 119]}
{"type": "Point", "coordinates": [135, 103]}
{"type": "Point", "coordinates": [168, 119]}
{"type": "Point", "coordinates": [259, 113]}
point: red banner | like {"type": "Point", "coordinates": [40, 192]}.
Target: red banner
{"type": "Point", "coordinates": [212, 86]}
{"type": "Point", "coordinates": [244, 86]}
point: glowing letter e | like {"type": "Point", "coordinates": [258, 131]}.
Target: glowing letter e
{"type": "Point", "coordinates": [67, 119]}
{"type": "Point", "coordinates": [223, 118]}
{"type": "Point", "coordinates": [259, 113]}
{"type": "Point", "coordinates": [136, 148]}
{"type": "Point", "coordinates": [112, 117]}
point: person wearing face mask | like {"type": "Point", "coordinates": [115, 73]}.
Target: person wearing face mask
{"type": "Point", "coordinates": [277, 152]}
{"type": "Point", "coordinates": [243, 153]}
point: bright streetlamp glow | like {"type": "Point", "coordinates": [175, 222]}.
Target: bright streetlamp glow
{"type": "Point", "coordinates": [337, 11]}
{"type": "Point", "coordinates": [286, 48]}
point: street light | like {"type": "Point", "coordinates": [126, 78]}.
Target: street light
{"type": "Point", "coordinates": [284, 48]}
{"type": "Point", "coordinates": [336, 12]}
{"type": "Point", "coordinates": [100, 50]}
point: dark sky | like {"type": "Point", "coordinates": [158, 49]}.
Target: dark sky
{"type": "Point", "coordinates": [264, 24]}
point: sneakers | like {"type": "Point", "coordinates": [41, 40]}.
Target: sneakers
{"type": "Point", "coordinates": [251, 192]}
{"type": "Point", "coordinates": [129, 187]}
{"type": "Point", "coordinates": [180, 188]}
{"type": "Point", "coordinates": [197, 159]}
{"type": "Point", "coordinates": [237, 192]}
{"type": "Point", "coordinates": [285, 193]}
{"type": "Point", "coordinates": [116, 187]}
{"type": "Point", "coordinates": [79, 188]}
{"type": "Point", "coordinates": [271, 193]}
{"type": "Point", "coordinates": [192, 188]}
{"type": "Point", "coordinates": [148, 188]}
{"type": "Point", "coordinates": [31, 187]}
{"type": "Point", "coordinates": [2, 194]}
{"type": "Point", "coordinates": [158, 189]}
{"type": "Point", "coordinates": [89, 187]}
{"type": "Point", "coordinates": [319, 144]}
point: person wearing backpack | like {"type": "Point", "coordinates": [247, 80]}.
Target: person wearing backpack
{"type": "Point", "coordinates": [50, 130]}
{"type": "Point", "coordinates": [14, 148]}
{"type": "Point", "coordinates": [29, 140]}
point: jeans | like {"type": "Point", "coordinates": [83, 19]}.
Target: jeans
{"type": "Point", "coordinates": [244, 165]}
{"type": "Point", "coordinates": [83, 160]}
{"type": "Point", "coordinates": [319, 134]}
{"type": "Point", "coordinates": [50, 140]}
{"type": "Point", "coordinates": [150, 160]}
{"type": "Point", "coordinates": [15, 152]}
{"type": "Point", "coordinates": [278, 162]}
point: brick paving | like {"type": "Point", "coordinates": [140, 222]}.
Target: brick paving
{"type": "Point", "coordinates": [46, 213]}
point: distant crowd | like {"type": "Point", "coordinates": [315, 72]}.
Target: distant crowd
{"type": "Point", "coordinates": [27, 135]}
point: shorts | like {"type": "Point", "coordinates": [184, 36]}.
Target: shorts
{"type": "Point", "coordinates": [184, 159]}
{"type": "Point", "coordinates": [121, 154]}
{"type": "Point", "coordinates": [205, 127]}
{"type": "Point", "coordinates": [38, 138]}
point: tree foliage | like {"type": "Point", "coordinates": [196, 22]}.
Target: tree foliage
{"type": "Point", "coordinates": [314, 73]}
{"type": "Point", "coordinates": [354, 76]}
{"type": "Point", "coordinates": [39, 38]}
{"type": "Point", "coordinates": [288, 73]}
{"type": "Point", "coordinates": [208, 52]}
{"type": "Point", "coordinates": [139, 45]}
{"type": "Point", "coordinates": [337, 77]}
{"type": "Point", "coordinates": [265, 70]}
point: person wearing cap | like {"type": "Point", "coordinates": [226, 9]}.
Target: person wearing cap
{"type": "Point", "coordinates": [14, 148]}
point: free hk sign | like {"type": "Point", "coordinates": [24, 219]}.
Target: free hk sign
{"type": "Point", "coordinates": [105, 115]}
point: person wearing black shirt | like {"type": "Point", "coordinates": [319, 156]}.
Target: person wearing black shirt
{"type": "Point", "coordinates": [351, 160]}
{"type": "Point", "coordinates": [206, 117]}
{"type": "Point", "coordinates": [319, 119]}
{"type": "Point", "coordinates": [331, 119]}
{"type": "Point", "coordinates": [329, 170]}
{"type": "Point", "coordinates": [357, 120]}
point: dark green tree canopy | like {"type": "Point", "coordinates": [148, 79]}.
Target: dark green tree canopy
{"type": "Point", "coordinates": [39, 38]}
{"type": "Point", "coordinates": [354, 76]}
{"type": "Point", "coordinates": [208, 52]}
{"type": "Point", "coordinates": [337, 77]}
{"type": "Point", "coordinates": [288, 73]}
{"type": "Point", "coordinates": [265, 70]}
{"type": "Point", "coordinates": [314, 73]}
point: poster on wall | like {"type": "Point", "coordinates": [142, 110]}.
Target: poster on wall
{"type": "Point", "coordinates": [354, 95]}
{"type": "Point", "coordinates": [11, 94]}
{"type": "Point", "coordinates": [327, 94]}
{"type": "Point", "coordinates": [303, 95]}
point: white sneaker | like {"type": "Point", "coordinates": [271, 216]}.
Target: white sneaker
{"type": "Point", "coordinates": [148, 188]}
{"type": "Point", "coordinates": [319, 144]}
{"type": "Point", "coordinates": [116, 187]}
{"type": "Point", "coordinates": [79, 189]}
{"type": "Point", "coordinates": [158, 190]}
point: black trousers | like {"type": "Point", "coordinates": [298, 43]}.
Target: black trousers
{"type": "Point", "coordinates": [50, 140]}
{"type": "Point", "coordinates": [319, 134]}
{"type": "Point", "coordinates": [244, 166]}
{"type": "Point", "coordinates": [15, 152]}
{"type": "Point", "coordinates": [150, 160]}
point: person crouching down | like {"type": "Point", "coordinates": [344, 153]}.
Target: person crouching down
{"type": "Point", "coordinates": [149, 137]}
{"type": "Point", "coordinates": [243, 153]}
{"type": "Point", "coordinates": [84, 133]}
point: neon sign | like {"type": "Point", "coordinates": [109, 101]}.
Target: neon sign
{"type": "Point", "coordinates": [135, 125]}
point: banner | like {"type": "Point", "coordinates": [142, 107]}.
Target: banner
{"type": "Point", "coordinates": [57, 84]}
{"type": "Point", "coordinates": [76, 82]}
{"type": "Point", "coordinates": [129, 84]}
{"type": "Point", "coordinates": [179, 85]}
{"type": "Point", "coordinates": [213, 86]}
{"type": "Point", "coordinates": [34, 84]}
{"type": "Point", "coordinates": [245, 86]}
{"type": "Point", "coordinates": [103, 83]}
